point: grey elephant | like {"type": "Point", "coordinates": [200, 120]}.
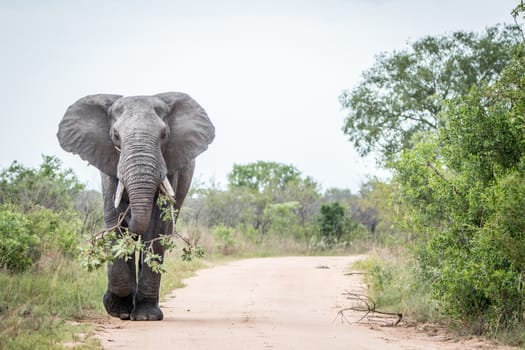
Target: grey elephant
{"type": "Point", "coordinates": [142, 145]}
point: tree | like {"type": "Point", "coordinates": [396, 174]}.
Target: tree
{"type": "Point", "coordinates": [306, 193]}
{"type": "Point", "coordinates": [263, 176]}
{"type": "Point", "coordinates": [332, 221]}
{"type": "Point", "coordinates": [49, 186]}
{"type": "Point", "coordinates": [283, 219]}
{"type": "Point", "coordinates": [273, 182]}
{"type": "Point", "coordinates": [403, 93]}
{"type": "Point", "coordinates": [464, 190]}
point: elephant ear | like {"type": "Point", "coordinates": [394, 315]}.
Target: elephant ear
{"type": "Point", "coordinates": [191, 131]}
{"type": "Point", "coordinates": [84, 130]}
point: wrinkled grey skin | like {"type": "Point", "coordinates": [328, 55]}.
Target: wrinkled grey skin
{"type": "Point", "coordinates": [138, 141]}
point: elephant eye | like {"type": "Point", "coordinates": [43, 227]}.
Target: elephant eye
{"type": "Point", "coordinates": [116, 137]}
{"type": "Point", "coordinates": [159, 111]}
{"type": "Point", "coordinates": [164, 134]}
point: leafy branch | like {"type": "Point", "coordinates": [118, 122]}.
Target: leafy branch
{"type": "Point", "coordinates": [117, 242]}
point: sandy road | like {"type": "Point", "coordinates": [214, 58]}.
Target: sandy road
{"type": "Point", "coordinates": [269, 303]}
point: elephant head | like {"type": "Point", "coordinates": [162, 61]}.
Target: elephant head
{"type": "Point", "coordinates": [139, 140]}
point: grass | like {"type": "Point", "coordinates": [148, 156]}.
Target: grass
{"type": "Point", "coordinates": [247, 245]}
{"type": "Point", "coordinates": [35, 306]}
{"type": "Point", "coordinates": [391, 282]}
{"type": "Point", "coordinates": [53, 305]}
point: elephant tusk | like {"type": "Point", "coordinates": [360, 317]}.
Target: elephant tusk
{"type": "Point", "coordinates": [118, 194]}
{"type": "Point", "coordinates": [165, 187]}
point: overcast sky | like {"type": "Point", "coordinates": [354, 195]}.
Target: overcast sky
{"type": "Point", "coordinates": [268, 73]}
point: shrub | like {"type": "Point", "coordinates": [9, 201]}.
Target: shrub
{"type": "Point", "coordinates": [336, 227]}
{"type": "Point", "coordinates": [26, 236]}
{"type": "Point", "coordinates": [19, 247]}
{"type": "Point", "coordinates": [58, 230]}
{"type": "Point", "coordinates": [282, 219]}
{"type": "Point", "coordinates": [224, 236]}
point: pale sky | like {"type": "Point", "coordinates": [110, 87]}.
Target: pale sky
{"type": "Point", "coordinates": [268, 73]}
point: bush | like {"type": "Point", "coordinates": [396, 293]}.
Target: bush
{"type": "Point", "coordinates": [27, 236]}
{"type": "Point", "coordinates": [19, 246]}
{"type": "Point", "coordinates": [336, 227]}
{"type": "Point", "coordinates": [58, 230]}
{"type": "Point", "coordinates": [282, 219]}
{"type": "Point", "coordinates": [225, 238]}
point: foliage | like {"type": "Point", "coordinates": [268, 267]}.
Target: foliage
{"type": "Point", "coordinates": [236, 207]}
{"type": "Point", "coordinates": [403, 93]}
{"type": "Point", "coordinates": [120, 243]}
{"type": "Point", "coordinates": [263, 176]}
{"type": "Point", "coordinates": [391, 275]}
{"type": "Point", "coordinates": [90, 206]}
{"type": "Point", "coordinates": [518, 11]}
{"type": "Point", "coordinates": [225, 236]}
{"type": "Point", "coordinates": [336, 227]}
{"type": "Point", "coordinates": [463, 187]}
{"type": "Point", "coordinates": [18, 246]}
{"type": "Point", "coordinates": [447, 116]}
{"type": "Point", "coordinates": [283, 217]}
{"type": "Point", "coordinates": [376, 209]}
{"type": "Point", "coordinates": [262, 198]}
{"type": "Point", "coordinates": [332, 221]}
{"type": "Point", "coordinates": [25, 236]}
{"type": "Point", "coordinates": [49, 185]}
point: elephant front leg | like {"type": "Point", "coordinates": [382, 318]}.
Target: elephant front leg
{"type": "Point", "coordinates": [147, 298]}
{"type": "Point", "coordinates": [119, 298]}
{"type": "Point", "coordinates": [122, 275]}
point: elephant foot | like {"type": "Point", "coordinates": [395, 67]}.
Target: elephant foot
{"type": "Point", "coordinates": [116, 306]}
{"type": "Point", "coordinates": [146, 310]}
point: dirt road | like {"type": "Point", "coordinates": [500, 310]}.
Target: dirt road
{"type": "Point", "coordinates": [270, 303]}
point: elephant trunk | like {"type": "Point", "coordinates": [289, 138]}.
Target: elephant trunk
{"type": "Point", "coordinates": [142, 170]}
{"type": "Point", "coordinates": [141, 204]}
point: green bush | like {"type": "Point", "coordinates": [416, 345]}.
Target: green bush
{"type": "Point", "coordinates": [58, 230]}
{"type": "Point", "coordinates": [282, 219]}
{"type": "Point", "coordinates": [27, 236]}
{"type": "Point", "coordinates": [19, 246]}
{"type": "Point", "coordinates": [335, 227]}
{"type": "Point", "coordinates": [485, 277]}
{"type": "Point", "coordinates": [224, 237]}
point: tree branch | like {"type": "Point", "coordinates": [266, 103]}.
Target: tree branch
{"type": "Point", "coordinates": [370, 309]}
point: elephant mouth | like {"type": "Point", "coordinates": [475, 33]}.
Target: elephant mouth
{"type": "Point", "coordinates": [165, 188]}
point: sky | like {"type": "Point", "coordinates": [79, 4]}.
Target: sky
{"type": "Point", "coordinates": [268, 73]}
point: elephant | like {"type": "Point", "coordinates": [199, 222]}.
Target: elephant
{"type": "Point", "coordinates": [142, 146]}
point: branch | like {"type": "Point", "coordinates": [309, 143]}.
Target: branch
{"type": "Point", "coordinates": [174, 232]}
{"type": "Point", "coordinates": [118, 225]}
{"type": "Point", "coordinates": [370, 308]}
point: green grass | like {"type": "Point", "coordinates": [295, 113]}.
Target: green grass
{"type": "Point", "coordinates": [35, 306]}
{"type": "Point", "coordinates": [392, 284]}
{"type": "Point", "coordinates": [53, 305]}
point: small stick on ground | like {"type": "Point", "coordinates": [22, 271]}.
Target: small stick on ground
{"type": "Point", "coordinates": [369, 310]}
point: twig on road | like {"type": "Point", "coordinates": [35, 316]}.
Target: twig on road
{"type": "Point", "coordinates": [370, 309]}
